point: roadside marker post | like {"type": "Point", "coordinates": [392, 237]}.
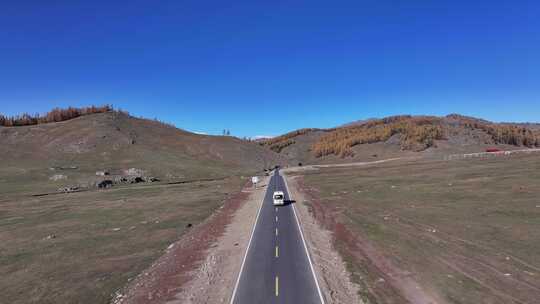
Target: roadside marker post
{"type": "Point", "coordinates": [254, 181]}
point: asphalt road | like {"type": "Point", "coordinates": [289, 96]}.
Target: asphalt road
{"type": "Point", "coordinates": [276, 268]}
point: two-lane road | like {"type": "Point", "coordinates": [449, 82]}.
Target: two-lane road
{"type": "Point", "coordinates": [276, 267]}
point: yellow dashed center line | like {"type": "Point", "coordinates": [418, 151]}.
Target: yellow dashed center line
{"type": "Point", "coordinates": [277, 286]}
{"type": "Point", "coordinates": [277, 252]}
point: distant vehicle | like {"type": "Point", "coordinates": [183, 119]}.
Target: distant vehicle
{"type": "Point", "coordinates": [279, 198]}
{"type": "Point", "coordinates": [493, 150]}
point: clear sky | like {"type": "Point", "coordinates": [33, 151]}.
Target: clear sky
{"type": "Point", "coordinates": [267, 67]}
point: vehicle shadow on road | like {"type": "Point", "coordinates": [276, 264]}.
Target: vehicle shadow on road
{"type": "Point", "coordinates": [288, 202]}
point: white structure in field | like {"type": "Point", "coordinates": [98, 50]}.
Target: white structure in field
{"type": "Point", "coordinates": [255, 180]}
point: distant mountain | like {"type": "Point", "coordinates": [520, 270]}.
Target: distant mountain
{"type": "Point", "coordinates": [403, 135]}
{"type": "Point", "coordinates": [259, 138]}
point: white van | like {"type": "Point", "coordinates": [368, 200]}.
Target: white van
{"type": "Point", "coordinates": [279, 198]}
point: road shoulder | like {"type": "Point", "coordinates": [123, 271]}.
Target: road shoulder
{"type": "Point", "coordinates": [213, 281]}
{"type": "Point", "coordinates": [203, 265]}
{"type": "Point", "coordinates": [332, 275]}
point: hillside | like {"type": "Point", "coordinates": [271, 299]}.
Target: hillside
{"type": "Point", "coordinates": [43, 157]}
{"type": "Point", "coordinates": [84, 246]}
{"type": "Point", "coordinates": [402, 136]}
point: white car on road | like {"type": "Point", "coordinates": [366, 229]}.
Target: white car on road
{"type": "Point", "coordinates": [279, 198]}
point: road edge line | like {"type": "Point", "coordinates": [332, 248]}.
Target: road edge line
{"type": "Point", "coordinates": [247, 249]}
{"type": "Point", "coordinates": [304, 242]}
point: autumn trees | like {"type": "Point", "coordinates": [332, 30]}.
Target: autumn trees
{"type": "Point", "coordinates": [417, 133]}
{"type": "Point", "coordinates": [54, 115]}
{"type": "Point", "coordinates": [513, 135]}
{"type": "Point", "coordinates": [506, 133]}
{"type": "Point", "coordinates": [414, 133]}
{"type": "Point", "coordinates": [278, 143]}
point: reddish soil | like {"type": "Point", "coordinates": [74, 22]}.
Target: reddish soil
{"type": "Point", "coordinates": [167, 276]}
{"type": "Point", "coordinates": [382, 281]}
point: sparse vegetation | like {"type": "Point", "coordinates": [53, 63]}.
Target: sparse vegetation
{"type": "Point", "coordinates": [502, 133]}
{"type": "Point", "coordinates": [63, 230]}
{"type": "Point", "coordinates": [464, 230]}
{"type": "Point", "coordinates": [284, 137]}
{"type": "Point", "coordinates": [278, 143]}
{"type": "Point", "coordinates": [66, 240]}
{"type": "Point", "coordinates": [277, 147]}
{"type": "Point", "coordinates": [82, 247]}
{"type": "Point", "coordinates": [55, 115]}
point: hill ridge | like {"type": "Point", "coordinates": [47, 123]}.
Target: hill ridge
{"type": "Point", "coordinates": [414, 133]}
{"type": "Point", "coordinates": [115, 142]}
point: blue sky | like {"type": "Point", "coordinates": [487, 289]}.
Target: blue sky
{"type": "Point", "coordinates": [267, 67]}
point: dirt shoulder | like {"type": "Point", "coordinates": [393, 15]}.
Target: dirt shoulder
{"type": "Point", "coordinates": [334, 279]}
{"type": "Point", "coordinates": [202, 267]}
{"type": "Point", "coordinates": [383, 281]}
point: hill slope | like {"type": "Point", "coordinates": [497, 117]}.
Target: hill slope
{"type": "Point", "coordinates": [402, 136]}
{"type": "Point", "coordinates": [82, 247]}
{"type": "Point", "coordinates": [73, 151]}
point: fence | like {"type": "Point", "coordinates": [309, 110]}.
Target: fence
{"type": "Point", "coordinates": [489, 154]}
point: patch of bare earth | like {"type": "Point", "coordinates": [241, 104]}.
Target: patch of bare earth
{"type": "Point", "coordinates": [333, 277]}
{"type": "Point", "coordinates": [385, 282]}
{"type": "Point", "coordinates": [202, 267]}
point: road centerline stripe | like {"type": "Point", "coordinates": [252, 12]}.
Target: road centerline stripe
{"type": "Point", "coordinates": [277, 286]}
{"type": "Point", "coordinates": [277, 252]}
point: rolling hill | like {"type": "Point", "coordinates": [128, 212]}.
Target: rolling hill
{"type": "Point", "coordinates": [68, 240]}
{"type": "Point", "coordinates": [45, 156]}
{"type": "Point", "coordinates": [402, 136]}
